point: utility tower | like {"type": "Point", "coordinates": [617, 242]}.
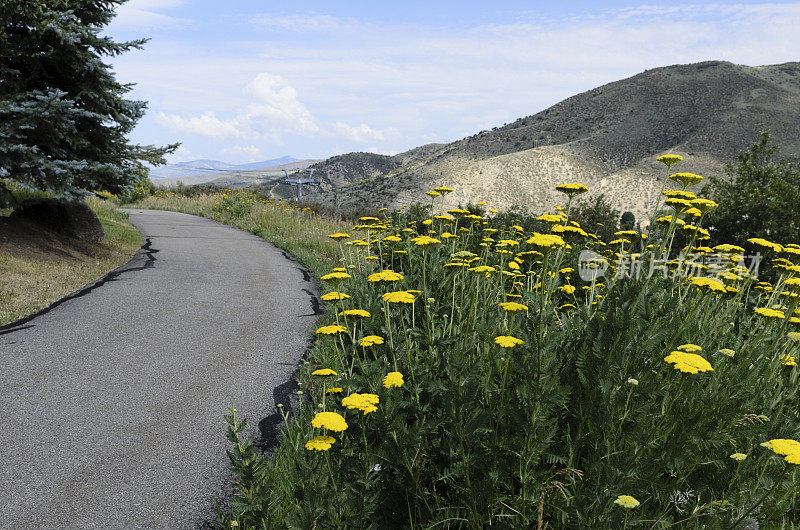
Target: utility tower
{"type": "Point", "coordinates": [298, 178]}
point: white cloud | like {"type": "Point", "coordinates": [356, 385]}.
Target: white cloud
{"type": "Point", "coordinates": [271, 111]}
{"type": "Point", "coordinates": [278, 105]}
{"type": "Point", "coordinates": [360, 133]}
{"type": "Point", "coordinates": [303, 23]}
{"type": "Point", "coordinates": [143, 14]}
{"type": "Point", "coordinates": [248, 153]}
{"type": "Point", "coordinates": [206, 124]}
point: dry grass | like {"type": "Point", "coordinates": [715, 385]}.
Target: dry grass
{"type": "Point", "coordinates": [36, 268]}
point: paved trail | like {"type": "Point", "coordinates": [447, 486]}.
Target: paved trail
{"type": "Point", "coordinates": [111, 403]}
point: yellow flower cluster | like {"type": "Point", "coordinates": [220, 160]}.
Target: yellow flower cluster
{"type": "Point", "coordinates": [385, 276]}
{"type": "Point", "coordinates": [398, 297]}
{"type": "Point", "coordinates": [355, 313]}
{"type": "Point", "coordinates": [332, 329]}
{"type": "Point", "coordinates": [789, 449]}
{"type": "Point", "coordinates": [370, 340]}
{"type": "Point", "coordinates": [507, 341]}
{"type": "Point", "coordinates": [334, 295]}
{"type": "Point", "coordinates": [332, 421]}
{"type": "Point", "coordinates": [320, 443]}
{"type": "Point", "coordinates": [366, 403]}
{"type": "Point", "coordinates": [393, 379]}
{"type": "Point", "coordinates": [626, 501]}
{"type": "Point", "coordinates": [324, 372]}
{"type": "Point", "coordinates": [689, 363]}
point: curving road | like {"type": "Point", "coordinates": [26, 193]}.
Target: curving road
{"type": "Point", "coordinates": [111, 403]}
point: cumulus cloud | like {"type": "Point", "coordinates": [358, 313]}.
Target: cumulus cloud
{"type": "Point", "coordinates": [277, 106]}
{"type": "Point", "coordinates": [270, 111]}
{"type": "Point", "coordinates": [206, 124]}
{"type": "Point", "coordinates": [360, 133]}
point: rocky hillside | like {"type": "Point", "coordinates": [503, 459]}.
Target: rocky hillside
{"type": "Point", "coordinates": [607, 138]}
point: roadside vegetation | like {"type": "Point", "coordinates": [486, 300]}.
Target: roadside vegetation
{"type": "Point", "coordinates": [299, 230]}
{"type": "Point", "coordinates": [474, 376]}
{"type": "Point", "coordinates": [37, 267]}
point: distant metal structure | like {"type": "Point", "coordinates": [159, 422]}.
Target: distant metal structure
{"type": "Point", "coordinates": [300, 177]}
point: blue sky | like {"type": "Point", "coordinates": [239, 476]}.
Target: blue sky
{"type": "Point", "coordinates": [242, 81]}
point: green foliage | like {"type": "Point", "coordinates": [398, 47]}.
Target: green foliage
{"type": "Point", "coordinates": [627, 221]}
{"type": "Point", "coordinates": [63, 115]}
{"type": "Point", "coordinates": [759, 197]}
{"type": "Point", "coordinates": [597, 216]}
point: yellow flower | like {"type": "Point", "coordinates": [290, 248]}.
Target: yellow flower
{"type": "Point", "coordinates": [738, 456]}
{"type": "Point", "coordinates": [687, 179]}
{"type": "Point", "coordinates": [513, 265]}
{"type": "Point", "coordinates": [385, 276]}
{"type": "Point", "coordinates": [335, 277]}
{"type": "Point", "coordinates": [626, 501]}
{"type": "Point", "coordinates": [566, 306]}
{"type": "Point", "coordinates": [455, 264]}
{"type": "Point", "coordinates": [433, 194]}
{"type": "Point", "coordinates": [568, 289]}
{"type": "Point", "coordinates": [763, 243]}
{"type": "Point", "coordinates": [790, 449]}
{"type": "Point", "coordinates": [370, 340]}
{"type": "Point", "coordinates": [355, 313]}
{"type": "Point", "coordinates": [572, 189]}
{"type": "Point", "coordinates": [339, 235]}
{"type": "Point", "coordinates": [690, 348]}
{"type": "Point", "coordinates": [323, 372]}
{"type": "Point", "coordinates": [393, 379]}
{"type": "Point", "coordinates": [728, 248]}
{"type": "Point", "coordinates": [486, 270]}
{"type": "Point", "coordinates": [552, 218]}
{"type": "Point", "coordinates": [506, 341]}
{"type": "Point", "coordinates": [707, 284]}
{"type": "Point", "coordinates": [333, 329]}
{"type": "Point", "coordinates": [334, 295]}
{"type": "Point", "coordinates": [770, 313]}
{"type": "Point", "coordinates": [320, 443]}
{"type": "Point", "coordinates": [398, 297]}
{"type": "Point", "coordinates": [392, 239]}
{"type": "Point", "coordinates": [689, 363]}
{"type": "Point", "coordinates": [329, 420]}
{"type": "Point", "coordinates": [546, 241]}
{"type": "Point", "coordinates": [363, 402]}
{"type": "Point", "coordinates": [704, 205]}
{"type": "Point", "coordinates": [669, 159]}
{"type": "Point", "coordinates": [788, 360]}
{"type": "Point", "coordinates": [335, 390]}
{"type": "Point", "coordinates": [443, 190]}
{"type": "Point", "coordinates": [423, 241]}
{"type": "Point", "coordinates": [513, 307]}
{"type": "Point", "coordinates": [727, 352]}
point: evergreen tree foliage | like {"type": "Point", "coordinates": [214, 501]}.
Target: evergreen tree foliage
{"type": "Point", "coordinates": [759, 198]}
{"type": "Point", "coordinates": [596, 215]}
{"type": "Point", "coordinates": [63, 115]}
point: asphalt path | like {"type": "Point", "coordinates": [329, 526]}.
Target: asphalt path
{"type": "Point", "coordinates": [111, 403]}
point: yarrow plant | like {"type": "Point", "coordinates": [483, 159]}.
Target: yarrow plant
{"type": "Point", "coordinates": [483, 380]}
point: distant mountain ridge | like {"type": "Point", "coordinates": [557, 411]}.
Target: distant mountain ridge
{"type": "Point", "coordinates": [608, 138]}
{"type": "Point", "coordinates": [196, 167]}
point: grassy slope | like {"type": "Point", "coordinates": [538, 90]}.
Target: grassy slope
{"type": "Point", "coordinates": [303, 235]}
{"type": "Point", "coordinates": [29, 283]}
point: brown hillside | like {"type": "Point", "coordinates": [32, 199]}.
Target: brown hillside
{"type": "Point", "coordinates": [607, 138]}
